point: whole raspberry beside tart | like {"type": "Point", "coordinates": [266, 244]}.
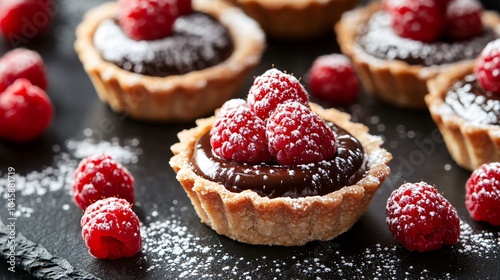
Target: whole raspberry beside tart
{"type": "Point", "coordinates": [482, 193]}
{"type": "Point", "coordinates": [166, 60]}
{"type": "Point", "coordinates": [464, 103]}
{"type": "Point", "coordinates": [310, 173]}
{"type": "Point", "coordinates": [421, 219]}
{"type": "Point", "coordinates": [398, 46]}
{"type": "Point", "coordinates": [295, 20]}
{"type": "Point", "coordinates": [111, 229]}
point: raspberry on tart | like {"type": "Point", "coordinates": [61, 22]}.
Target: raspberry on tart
{"type": "Point", "coordinates": [178, 77]}
{"type": "Point", "coordinates": [272, 88]}
{"type": "Point", "coordinates": [421, 219]}
{"type": "Point", "coordinates": [322, 172]}
{"type": "Point", "coordinates": [464, 105]}
{"type": "Point", "coordinates": [111, 229]}
{"type": "Point", "coordinates": [333, 78]}
{"type": "Point", "coordinates": [25, 111]}
{"type": "Point", "coordinates": [398, 46]}
{"type": "Point", "coordinates": [99, 176]}
{"type": "Point", "coordinates": [482, 193]}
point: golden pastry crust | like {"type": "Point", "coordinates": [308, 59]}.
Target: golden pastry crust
{"type": "Point", "coordinates": [469, 144]}
{"type": "Point", "coordinates": [393, 81]}
{"type": "Point", "coordinates": [285, 19]}
{"type": "Point", "coordinates": [176, 97]}
{"type": "Point", "coordinates": [250, 218]}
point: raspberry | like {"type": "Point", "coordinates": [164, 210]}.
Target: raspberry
{"type": "Point", "coordinates": [111, 229]}
{"type": "Point", "coordinates": [185, 7]}
{"type": "Point", "coordinates": [272, 88]}
{"type": "Point", "coordinates": [25, 111]}
{"type": "Point", "coordinates": [239, 135]}
{"type": "Point", "coordinates": [420, 20]}
{"type": "Point", "coordinates": [99, 176]}
{"type": "Point", "coordinates": [463, 19]}
{"type": "Point", "coordinates": [487, 67]}
{"type": "Point", "coordinates": [296, 135]}
{"type": "Point", "coordinates": [420, 218]}
{"type": "Point", "coordinates": [482, 193]}
{"type": "Point", "coordinates": [22, 63]}
{"type": "Point", "coordinates": [23, 20]}
{"type": "Point", "coordinates": [332, 78]}
{"type": "Point", "coordinates": [147, 19]}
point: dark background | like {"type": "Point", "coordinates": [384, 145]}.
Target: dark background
{"type": "Point", "coordinates": [367, 250]}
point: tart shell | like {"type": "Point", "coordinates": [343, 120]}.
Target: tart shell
{"type": "Point", "coordinates": [285, 19]}
{"type": "Point", "coordinates": [177, 97]}
{"type": "Point", "coordinates": [393, 81]}
{"type": "Point", "coordinates": [469, 144]}
{"type": "Point", "coordinates": [250, 218]}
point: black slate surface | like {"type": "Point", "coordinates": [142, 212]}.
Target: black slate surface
{"type": "Point", "coordinates": [48, 230]}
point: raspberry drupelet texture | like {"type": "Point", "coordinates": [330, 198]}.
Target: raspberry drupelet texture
{"type": "Point", "coordinates": [332, 78]}
{"type": "Point", "coordinates": [420, 20]}
{"type": "Point", "coordinates": [98, 177]}
{"type": "Point", "coordinates": [420, 218]}
{"type": "Point", "coordinates": [25, 111]}
{"type": "Point", "coordinates": [273, 88]}
{"type": "Point", "coordinates": [482, 193]}
{"type": "Point", "coordinates": [297, 135]}
{"type": "Point", "coordinates": [239, 135]}
{"type": "Point", "coordinates": [111, 229]}
{"type": "Point", "coordinates": [22, 63]}
{"type": "Point", "coordinates": [487, 67]}
{"type": "Point", "coordinates": [147, 19]}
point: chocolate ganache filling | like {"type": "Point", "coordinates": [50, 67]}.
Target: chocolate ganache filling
{"type": "Point", "coordinates": [346, 168]}
{"type": "Point", "coordinates": [379, 40]}
{"type": "Point", "coordinates": [471, 102]}
{"type": "Point", "coordinates": [198, 42]}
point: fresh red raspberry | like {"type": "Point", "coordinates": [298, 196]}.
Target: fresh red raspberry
{"type": "Point", "coordinates": [239, 135]}
{"type": "Point", "coordinates": [420, 20]}
{"type": "Point", "coordinates": [296, 135]}
{"type": "Point", "coordinates": [111, 229]}
{"type": "Point", "coordinates": [25, 111]}
{"type": "Point", "coordinates": [272, 88]}
{"type": "Point", "coordinates": [482, 193]}
{"type": "Point", "coordinates": [463, 19]}
{"type": "Point", "coordinates": [422, 219]}
{"type": "Point", "coordinates": [99, 176]}
{"type": "Point", "coordinates": [487, 67]}
{"type": "Point", "coordinates": [23, 20]}
{"type": "Point", "coordinates": [185, 7]}
{"type": "Point", "coordinates": [22, 63]}
{"type": "Point", "coordinates": [332, 78]}
{"type": "Point", "coordinates": [147, 19]}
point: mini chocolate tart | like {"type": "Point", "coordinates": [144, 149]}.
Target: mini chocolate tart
{"type": "Point", "coordinates": [467, 116]}
{"type": "Point", "coordinates": [397, 69]}
{"type": "Point", "coordinates": [148, 80]}
{"type": "Point", "coordinates": [295, 20]}
{"type": "Point", "coordinates": [283, 205]}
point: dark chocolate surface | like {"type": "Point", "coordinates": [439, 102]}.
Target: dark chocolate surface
{"type": "Point", "coordinates": [273, 180]}
{"type": "Point", "coordinates": [471, 102]}
{"type": "Point", "coordinates": [378, 39]}
{"type": "Point", "coordinates": [191, 250]}
{"type": "Point", "coordinates": [198, 42]}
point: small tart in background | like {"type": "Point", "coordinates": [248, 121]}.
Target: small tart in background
{"type": "Point", "coordinates": [295, 20]}
{"type": "Point", "coordinates": [177, 97]}
{"type": "Point", "coordinates": [470, 136]}
{"type": "Point", "coordinates": [402, 82]}
{"type": "Point", "coordinates": [251, 218]}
